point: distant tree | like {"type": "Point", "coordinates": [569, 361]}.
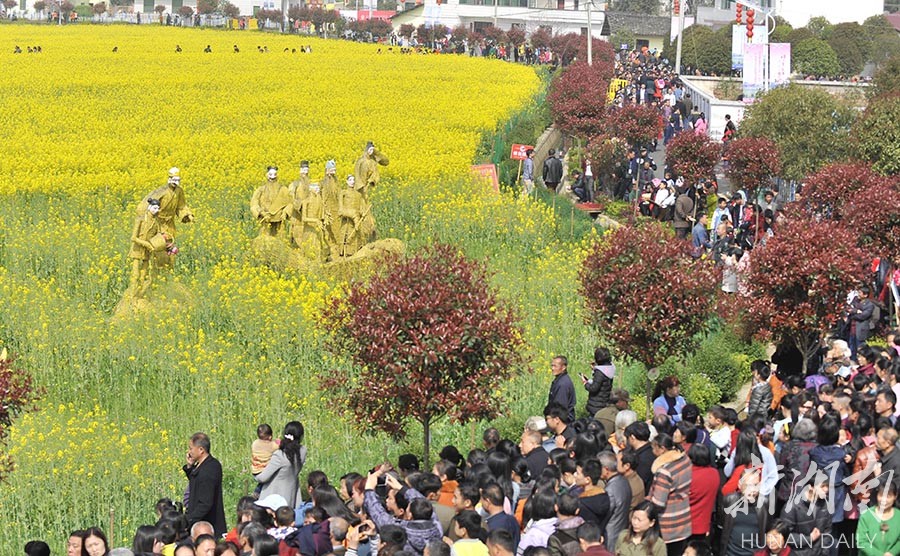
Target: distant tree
{"type": "Point", "coordinates": [541, 38]}
{"type": "Point", "coordinates": [643, 7]}
{"type": "Point", "coordinates": [187, 11]}
{"type": "Point", "coordinates": [851, 45]}
{"type": "Point", "coordinates": [406, 30]}
{"type": "Point", "coordinates": [799, 35]}
{"type": "Point", "coordinates": [66, 8]}
{"type": "Point", "coordinates": [874, 218]}
{"type": "Point", "coordinates": [516, 36]}
{"type": "Point", "coordinates": [623, 35]}
{"type": "Point", "coordinates": [10, 4]}
{"type": "Point", "coordinates": [886, 79]}
{"type": "Point", "coordinates": [380, 28]}
{"type": "Point", "coordinates": [427, 338]}
{"type": "Point", "coordinates": [230, 10]}
{"type": "Point", "coordinates": [160, 9]}
{"type": "Point", "coordinates": [714, 53]}
{"type": "Point", "coordinates": [798, 283]}
{"type": "Point", "coordinates": [207, 7]}
{"type": "Point", "coordinates": [645, 295]}
{"type": "Point", "coordinates": [819, 26]}
{"type": "Point", "coordinates": [810, 127]}
{"type": "Point", "coordinates": [876, 134]}
{"type": "Point", "coordinates": [815, 57]}
{"type": "Point", "coordinates": [692, 44]}
{"type": "Point", "coordinates": [98, 9]}
{"type": "Point", "coordinates": [692, 156]}
{"type": "Point", "coordinates": [493, 34]}
{"type": "Point", "coordinates": [40, 6]}
{"type": "Point", "coordinates": [565, 47]}
{"type": "Point", "coordinates": [18, 395]}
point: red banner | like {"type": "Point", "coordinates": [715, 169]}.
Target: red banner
{"type": "Point", "coordinates": [488, 172]}
{"type": "Point", "coordinates": [518, 152]}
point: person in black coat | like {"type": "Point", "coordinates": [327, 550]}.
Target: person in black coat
{"type": "Point", "coordinates": [204, 474]}
{"type": "Point", "coordinates": [562, 390]}
{"type": "Point", "coordinates": [599, 386]}
{"type": "Point", "coordinates": [553, 171]}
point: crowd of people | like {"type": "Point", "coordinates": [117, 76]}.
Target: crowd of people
{"type": "Point", "coordinates": [807, 465]}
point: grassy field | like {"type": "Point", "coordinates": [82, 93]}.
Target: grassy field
{"type": "Point", "coordinates": [87, 132]}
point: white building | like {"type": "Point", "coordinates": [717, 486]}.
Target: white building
{"type": "Point", "coordinates": [797, 12]}
{"type": "Point", "coordinates": [556, 16]}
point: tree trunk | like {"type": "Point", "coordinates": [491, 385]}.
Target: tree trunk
{"type": "Point", "coordinates": [426, 427]}
{"type": "Point", "coordinates": [649, 393]}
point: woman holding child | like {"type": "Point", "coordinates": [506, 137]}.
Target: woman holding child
{"type": "Point", "coordinates": [280, 475]}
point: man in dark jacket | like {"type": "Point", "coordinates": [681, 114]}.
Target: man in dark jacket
{"type": "Point", "coordinates": [809, 519]}
{"type": "Point", "coordinates": [860, 320]}
{"type": "Point", "coordinates": [562, 391]}
{"type": "Point", "coordinates": [684, 214]}
{"type": "Point", "coordinates": [637, 435]}
{"type": "Point", "coordinates": [553, 171]}
{"type": "Point", "coordinates": [204, 474]}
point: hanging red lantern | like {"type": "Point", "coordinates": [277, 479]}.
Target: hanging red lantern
{"type": "Point", "coordinates": [738, 15]}
{"type": "Point", "coordinates": [750, 14]}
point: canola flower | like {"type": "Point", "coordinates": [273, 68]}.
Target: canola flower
{"type": "Point", "coordinates": [87, 132]}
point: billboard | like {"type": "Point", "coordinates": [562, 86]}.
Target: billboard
{"type": "Point", "coordinates": [779, 63]}
{"type": "Point", "coordinates": [739, 39]}
{"type": "Point", "coordinates": [754, 70]}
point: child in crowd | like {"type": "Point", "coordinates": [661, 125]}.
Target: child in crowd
{"type": "Point", "coordinates": [284, 523]}
{"type": "Point", "coordinates": [261, 451]}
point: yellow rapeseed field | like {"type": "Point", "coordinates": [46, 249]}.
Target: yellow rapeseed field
{"type": "Point", "coordinates": [85, 132]}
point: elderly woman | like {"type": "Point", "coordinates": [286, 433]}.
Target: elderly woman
{"type": "Point", "coordinates": [667, 399]}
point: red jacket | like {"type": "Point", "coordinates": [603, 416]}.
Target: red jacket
{"type": "Point", "coordinates": [704, 489]}
{"type": "Point", "coordinates": [786, 551]}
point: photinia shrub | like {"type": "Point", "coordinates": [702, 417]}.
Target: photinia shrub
{"type": "Point", "coordinates": [831, 188]}
{"type": "Point", "coordinates": [753, 162]}
{"type": "Point", "coordinates": [638, 124]}
{"type": "Point", "coordinates": [577, 98]}
{"type": "Point", "coordinates": [692, 156]}
{"type": "Point", "coordinates": [426, 338]}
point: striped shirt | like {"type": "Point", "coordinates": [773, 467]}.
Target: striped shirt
{"type": "Point", "coordinates": [671, 490]}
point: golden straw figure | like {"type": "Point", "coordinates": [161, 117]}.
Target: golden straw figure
{"type": "Point", "coordinates": [310, 233]}
{"type": "Point", "coordinates": [299, 188]}
{"type": "Point", "coordinates": [366, 170]}
{"type": "Point", "coordinates": [146, 239]}
{"type": "Point", "coordinates": [172, 206]}
{"type": "Point", "coordinates": [357, 224]}
{"type": "Point", "coordinates": [330, 192]}
{"type": "Point", "coordinates": [271, 204]}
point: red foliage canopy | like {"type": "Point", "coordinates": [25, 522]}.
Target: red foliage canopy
{"type": "Point", "coordinates": [639, 124]}
{"type": "Point", "coordinates": [604, 152]}
{"type": "Point", "coordinates": [692, 156]}
{"type": "Point", "coordinates": [799, 280]}
{"type": "Point", "coordinates": [873, 215]}
{"type": "Point", "coordinates": [17, 395]}
{"type": "Point", "coordinates": [427, 337]}
{"type": "Point", "coordinates": [753, 162]}
{"type": "Point", "coordinates": [645, 294]}
{"type": "Point", "coordinates": [577, 98]}
{"type": "Point", "coordinates": [831, 188]}
{"type": "Point", "coordinates": [541, 38]}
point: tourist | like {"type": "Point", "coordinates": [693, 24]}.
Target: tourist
{"type": "Point", "coordinates": [670, 490]}
{"type": "Point", "coordinates": [562, 390]}
{"type": "Point", "coordinates": [204, 473]}
{"type": "Point", "coordinates": [281, 474]}
{"type": "Point", "coordinates": [642, 538]}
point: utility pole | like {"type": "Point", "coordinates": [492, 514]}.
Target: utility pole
{"type": "Point", "coordinates": [681, 8]}
{"type": "Point", "coordinates": [495, 12]}
{"type": "Point", "coordinates": [590, 38]}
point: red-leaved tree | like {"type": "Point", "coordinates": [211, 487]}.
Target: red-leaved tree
{"type": "Point", "coordinates": [577, 98]}
{"type": "Point", "coordinates": [873, 216]}
{"type": "Point", "coordinates": [798, 282]}
{"type": "Point", "coordinates": [692, 156]}
{"type": "Point", "coordinates": [17, 395]}
{"type": "Point", "coordinates": [639, 124]}
{"type": "Point", "coordinates": [753, 162]}
{"type": "Point", "coordinates": [827, 191]}
{"type": "Point", "coordinates": [604, 152]}
{"type": "Point", "coordinates": [645, 295]}
{"type": "Point", "coordinates": [427, 337]}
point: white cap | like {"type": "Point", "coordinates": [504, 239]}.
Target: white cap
{"type": "Point", "coordinates": [173, 172]}
{"type": "Point", "coordinates": [272, 502]}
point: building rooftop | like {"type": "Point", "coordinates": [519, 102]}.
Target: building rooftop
{"type": "Point", "coordinates": [640, 24]}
